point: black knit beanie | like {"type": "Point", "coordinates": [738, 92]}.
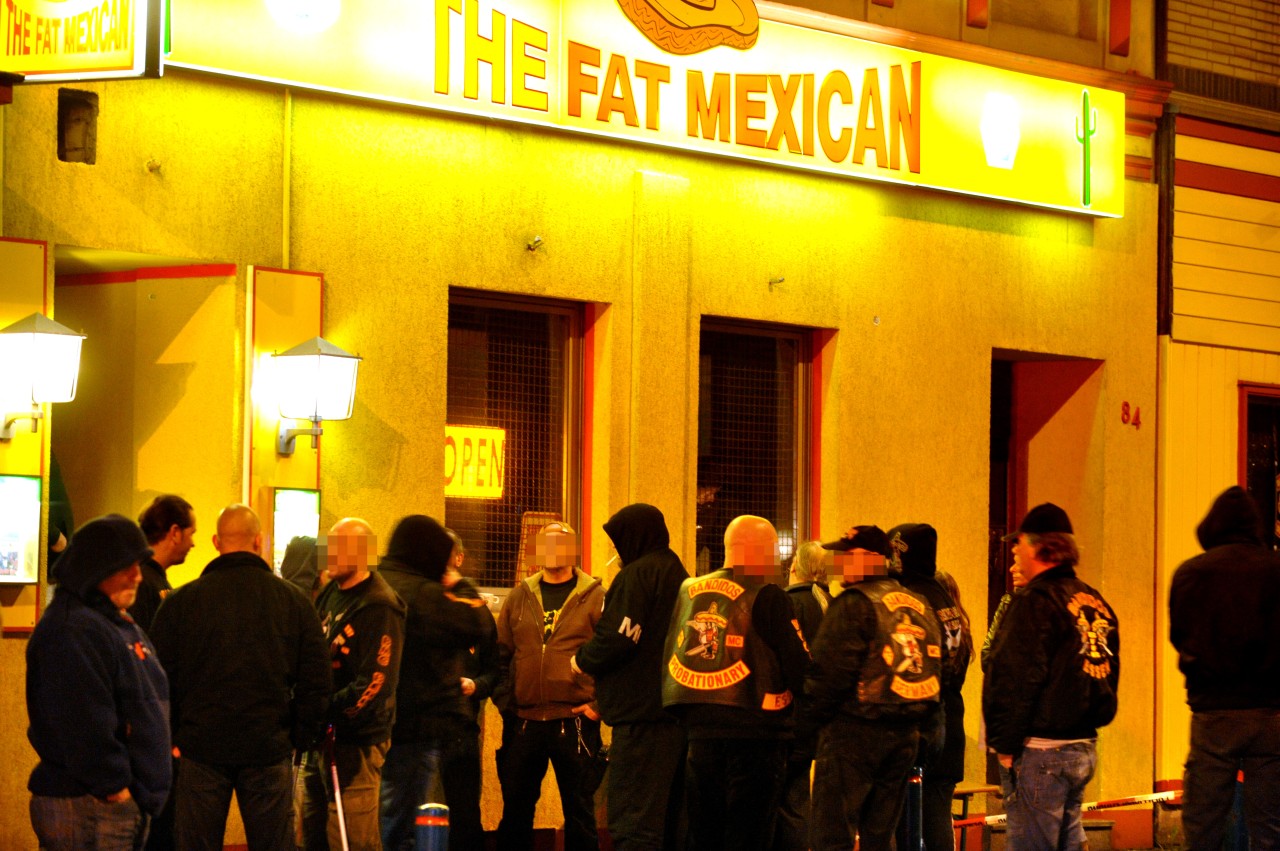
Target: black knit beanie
{"type": "Point", "coordinates": [98, 549]}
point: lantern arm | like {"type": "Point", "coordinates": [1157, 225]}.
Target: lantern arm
{"type": "Point", "coordinates": [286, 436]}
{"type": "Point", "coordinates": [11, 420]}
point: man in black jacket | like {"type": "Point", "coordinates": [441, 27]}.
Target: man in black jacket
{"type": "Point", "coordinates": [249, 682]}
{"type": "Point", "coordinates": [734, 664]}
{"type": "Point", "coordinates": [363, 622]}
{"type": "Point", "coordinates": [646, 791]}
{"type": "Point", "coordinates": [433, 733]}
{"type": "Point", "coordinates": [1051, 683]}
{"type": "Point", "coordinates": [941, 752]}
{"type": "Point", "coordinates": [876, 677]}
{"type": "Point", "coordinates": [1222, 611]}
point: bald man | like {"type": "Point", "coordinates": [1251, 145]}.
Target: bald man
{"type": "Point", "coordinates": [733, 667]}
{"type": "Point", "coordinates": [249, 682]}
{"type": "Point", "coordinates": [363, 622]}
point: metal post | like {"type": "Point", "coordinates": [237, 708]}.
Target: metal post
{"type": "Point", "coordinates": [431, 830]}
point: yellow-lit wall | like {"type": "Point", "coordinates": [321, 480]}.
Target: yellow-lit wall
{"type": "Point", "coordinates": [1200, 393]}
{"type": "Point", "coordinates": [160, 402]}
{"type": "Point", "coordinates": [395, 206]}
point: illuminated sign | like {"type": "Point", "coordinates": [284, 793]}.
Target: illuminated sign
{"type": "Point", "coordinates": [80, 39]}
{"type": "Point", "coordinates": [473, 461]}
{"type": "Point", "coordinates": [767, 83]}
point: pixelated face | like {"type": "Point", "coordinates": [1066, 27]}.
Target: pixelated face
{"type": "Point", "coordinates": [857, 564]}
{"type": "Point", "coordinates": [347, 552]}
{"type": "Point", "coordinates": [755, 558]}
{"type": "Point", "coordinates": [557, 549]}
{"type": "Point", "coordinates": [121, 587]}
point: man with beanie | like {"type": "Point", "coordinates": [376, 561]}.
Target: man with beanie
{"type": "Point", "coordinates": [431, 725]}
{"type": "Point", "coordinates": [941, 751]}
{"type": "Point", "coordinates": [249, 677]}
{"type": "Point", "coordinates": [646, 760]}
{"type": "Point", "coordinates": [363, 622]}
{"type": "Point", "coordinates": [1051, 682]}
{"type": "Point", "coordinates": [876, 677]}
{"type": "Point", "coordinates": [97, 699]}
{"type": "Point", "coordinates": [1222, 612]}
{"type": "Point", "coordinates": [169, 524]}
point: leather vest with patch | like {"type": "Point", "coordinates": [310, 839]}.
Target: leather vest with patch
{"type": "Point", "coordinates": [904, 663]}
{"type": "Point", "coordinates": [714, 655]}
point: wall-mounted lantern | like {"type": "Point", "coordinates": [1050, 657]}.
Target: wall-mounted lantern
{"type": "Point", "coordinates": [315, 381]}
{"type": "Point", "coordinates": [40, 361]}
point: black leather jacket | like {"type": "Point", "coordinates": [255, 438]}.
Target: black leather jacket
{"type": "Point", "coordinates": [1054, 668]}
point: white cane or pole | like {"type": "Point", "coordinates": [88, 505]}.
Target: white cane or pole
{"type": "Point", "coordinates": [337, 793]}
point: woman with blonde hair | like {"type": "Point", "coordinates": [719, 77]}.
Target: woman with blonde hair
{"type": "Point", "coordinates": [809, 600]}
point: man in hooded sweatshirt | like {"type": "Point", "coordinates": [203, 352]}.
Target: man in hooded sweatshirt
{"type": "Point", "coordinates": [941, 751]}
{"type": "Point", "coordinates": [646, 759]}
{"type": "Point", "coordinates": [97, 699]}
{"type": "Point", "coordinates": [431, 730]}
{"type": "Point", "coordinates": [1222, 610]}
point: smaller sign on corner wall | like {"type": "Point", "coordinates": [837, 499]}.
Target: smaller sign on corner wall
{"type": "Point", "coordinates": [474, 461]}
{"type": "Point", "coordinates": [50, 40]}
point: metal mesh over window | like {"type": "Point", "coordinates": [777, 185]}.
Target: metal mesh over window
{"type": "Point", "coordinates": [510, 368]}
{"type": "Point", "coordinates": [751, 423]}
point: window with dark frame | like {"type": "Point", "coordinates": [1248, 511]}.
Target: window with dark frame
{"type": "Point", "coordinates": [1262, 458]}
{"type": "Point", "coordinates": [515, 364]}
{"type": "Point", "coordinates": [753, 429]}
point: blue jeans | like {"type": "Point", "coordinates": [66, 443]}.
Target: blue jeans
{"type": "Point", "coordinates": [86, 823]}
{"type": "Point", "coordinates": [408, 776]}
{"type": "Point", "coordinates": [1043, 796]}
{"type": "Point", "coordinates": [202, 798]}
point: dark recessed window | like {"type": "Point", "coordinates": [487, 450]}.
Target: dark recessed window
{"type": "Point", "coordinates": [1262, 459]}
{"type": "Point", "coordinates": [753, 426]}
{"type": "Point", "coordinates": [77, 126]}
{"type": "Point", "coordinates": [514, 365]}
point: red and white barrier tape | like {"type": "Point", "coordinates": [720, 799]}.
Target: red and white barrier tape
{"type": "Point", "coordinates": [1092, 805]}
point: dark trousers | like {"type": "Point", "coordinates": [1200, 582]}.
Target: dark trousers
{"type": "Point", "coordinates": [937, 831]}
{"type": "Point", "coordinates": [1223, 742]}
{"type": "Point", "coordinates": [646, 786]}
{"type": "Point", "coordinates": [202, 799]}
{"type": "Point", "coordinates": [527, 748]}
{"type": "Point", "coordinates": [160, 836]}
{"type": "Point", "coordinates": [791, 831]}
{"type": "Point", "coordinates": [734, 786]}
{"type": "Point", "coordinates": [859, 781]}
{"type": "Point", "coordinates": [410, 771]}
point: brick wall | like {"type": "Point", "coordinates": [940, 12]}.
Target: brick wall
{"type": "Point", "coordinates": [1234, 38]}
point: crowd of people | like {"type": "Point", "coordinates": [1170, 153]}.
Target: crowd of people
{"type": "Point", "coordinates": [744, 713]}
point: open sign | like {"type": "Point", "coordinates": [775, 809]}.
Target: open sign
{"type": "Point", "coordinates": [473, 461]}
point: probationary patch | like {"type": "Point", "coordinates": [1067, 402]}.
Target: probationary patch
{"type": "Point", "coordinates": [1094, 622]}
{"type": "Point", "coordinates": [710, 681]}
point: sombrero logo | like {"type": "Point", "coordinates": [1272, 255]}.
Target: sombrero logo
{"type": "Point", "coordinates": [684, 27]}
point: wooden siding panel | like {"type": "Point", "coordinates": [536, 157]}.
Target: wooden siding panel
{"type": "Point", "coordinates": [1216, 332]}
{"type": "Point", "coordinates": [1228, 156]}
{"type": "Point", "coordinates": [1200, 253]}
{"type": "Point", "coordinates": [1189, 200]}
{"type": "Point", "coordinates": [1225, 282]}
{"type": "Point", "coordinates": [1229, 308]}
{"type": "Point", "coordinates": [1228, 231]}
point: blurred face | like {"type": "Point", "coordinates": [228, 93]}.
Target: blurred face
{"type": "Point", "coordinates": [755, 558]}
{"type": "Point", "coordinates": [557, 550]}
{"type": "Point", "coordinates": [348, 552]}
{"type": "Point", "coordinates": [858, 564]}
{"type": "Point", "coordinates": [121, 587]}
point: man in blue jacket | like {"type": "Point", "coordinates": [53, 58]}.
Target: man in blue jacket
{"type": "Point", "coordinates": [97, 699]}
